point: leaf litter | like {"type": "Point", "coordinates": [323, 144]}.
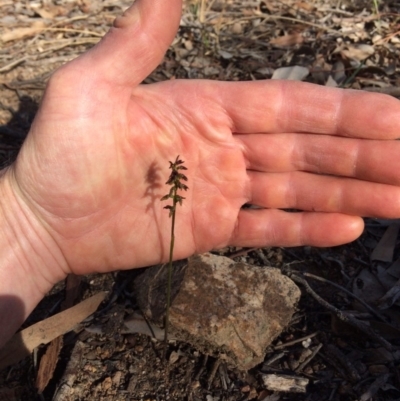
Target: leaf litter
{"type": "Point", "coordinates": [334, 43]}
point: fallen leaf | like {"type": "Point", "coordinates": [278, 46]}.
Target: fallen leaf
{"type": "Point", "coordinates": [24, 342]}
{"type": "Point", "coordinates": [391, 297]}
{"type": "Point", "coordinates": [48, 362]}
{"type": "Point", "coordinates": [385, 248]}
{"type": "Point", "coordinates": [331, 82]}
{"type": "Point", "coordinates": [137, 324]}
{"type": "Point", "coordinates": [305, 5]}
{"type": "Point", "coordinates": [367, 287]}
{"type": "Point", "coordinates": [287, 40]}
{"type": "Point", "coordinates": [358, 52]}
{"type": "Point", "coordinates": [394, 269]}
{"type": "Point", "coordinates": [339, 73]}
{"type": "Point", "coordinates": [294, 73]}
{"type": "Point", "coordinates": [225, 55]}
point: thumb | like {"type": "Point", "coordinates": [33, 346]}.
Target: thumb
{"type": "Point", "coordinates": [137, 42]}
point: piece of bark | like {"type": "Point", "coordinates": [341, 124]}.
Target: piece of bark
{"type": "Point", "coordinates": [48, 364]}
{"type": "Point", "coordinates": [284, 383]}
{"type": "Point", "coordinates": [220, 306]}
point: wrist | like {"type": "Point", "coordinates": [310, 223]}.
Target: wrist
{"type": "Point", "coordinates": [30, 261]}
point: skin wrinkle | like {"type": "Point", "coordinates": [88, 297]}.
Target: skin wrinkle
{"type": "Point", "coordinates": [245, 150]}
{"type": "Point", "coordinates": [279, 105]}
{"type": "Point", "coordinates": [236, 229]}
{"type": "Point", "coordinates": [354, 160]}
{"type": "Point", "coordinates": [222, 120]}
{"type": "Point", "coordinates": [274, 235]}
{"type": "Point", "coordinates": [291, 191]}
{"type": "Point", "coordinates": [335, 202]}
{"type": "Point", "coordinates": [300, 229]}
{"type": "Point", "coordinates": [299, 155]}
{"type": "Point", "coordinates": [337, 115]}
{"type": "Point", "coordinates": [27, 226]}
{"type": "Point", "coordinates": [337, 120]}
{"type": "Point", "coordinates": [220, 102]}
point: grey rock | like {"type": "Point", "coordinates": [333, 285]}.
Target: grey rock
{"type": "Point", "coordinates": [222, 307]}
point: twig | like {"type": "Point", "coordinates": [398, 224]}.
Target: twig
{"type": "Point", "coordinates": [298, 340]}
{"type": "Point", "coordinates": [213, 372]}
{"type": "Point", "coordinates": [344, 316]}
{"type": "Point", "coordinates": [242, 252]}
{"type": "Point", "coordinates": [84, 32]}
{"type": "Point", "coordinates": [309, 359]}
{"type": "Point", "coordinates": [13, 64]}
{"type": "Point", "coordinates": [374, 387]}
{"type": "Point", "coordinates": [272, 359]}
{"type": "Point", "coordinates": [280, 17]}
{"type": "Point", "coordinates": [369, 308]}
{"type": "Point", "coordinates": [334, 354]}
{"type": "Point", "coordinates": [202, 368]}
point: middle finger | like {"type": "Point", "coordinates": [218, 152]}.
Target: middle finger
{"type": "Point", "coordinates": [369, 160]}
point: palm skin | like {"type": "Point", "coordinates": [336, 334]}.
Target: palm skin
{"type": "Point", "coordinates": [94, 166]}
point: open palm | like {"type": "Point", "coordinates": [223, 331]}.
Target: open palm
{"type": "Point", "coordinates": [94, 166]}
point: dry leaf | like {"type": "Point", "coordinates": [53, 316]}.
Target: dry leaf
{"type": "Point", "coordinates": [136, 324]}
{"type": "Point", "coordinates": [385, 248]}
{"type": "Point", "coordinates": [358, 52]}
{"type": "Point", "coordinates": [295, 73]}
{"type": "Point", "coordinates": [331, 82]}
{"type": "Point", "coordinates": [391, 297]}
{"type": "Point", "coordinates": [287, 40]}
{"type": "Point", "coordinates": [25, 341]}
{"type": "Point", "coordinates": [49, 360]}
{"type": "Point", "coordinates": [339, 73]}
{"type": "Point", "coordinates": [367, 287]}
{"type": "Point", "coordinates": [305, 5]}
{"type": "Point", "coordinates": [225, 55]}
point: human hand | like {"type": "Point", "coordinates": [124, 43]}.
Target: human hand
{"type": "Point", "coordinates": [93, 167]}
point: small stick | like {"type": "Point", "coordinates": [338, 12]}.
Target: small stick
{"type": "Point", "coordinates": [334, 354]}
{"type": "Point", "coordinates": [309, 359]}
{"type": "Point", "coordinates": [213, 372]}
{"type": "Point", "coordinates": [293, 342]}
{"type": "Point", "coordinates": [345, 317]}
{"type": "Point", "coordinates": [346, 291]}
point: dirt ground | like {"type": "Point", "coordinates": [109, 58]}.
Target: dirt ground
{"type": "Point", "coordinates": [345, 43]}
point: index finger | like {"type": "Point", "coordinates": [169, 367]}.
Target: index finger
{"type": "Point", "coordinates": [288, 106]}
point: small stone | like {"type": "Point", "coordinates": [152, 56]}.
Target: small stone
{"type": "Point", "coordinates": [245, 389]}
{"type": "Point", "coordinates": [173, 357]}
{"type": "Point", "coordinates": [237, 28]}
{"type": "Point", "coordinates": [107, 383]}
{"type": "Point", "coordinates": [139, 349]}
{"type": "Point", "coordinates": [188, 45]}
{"type": "Point", "coordinates": [117, 378]}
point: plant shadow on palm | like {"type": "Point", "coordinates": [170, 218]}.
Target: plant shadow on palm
{"type": "Point", "coordinates": [153, 193]}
